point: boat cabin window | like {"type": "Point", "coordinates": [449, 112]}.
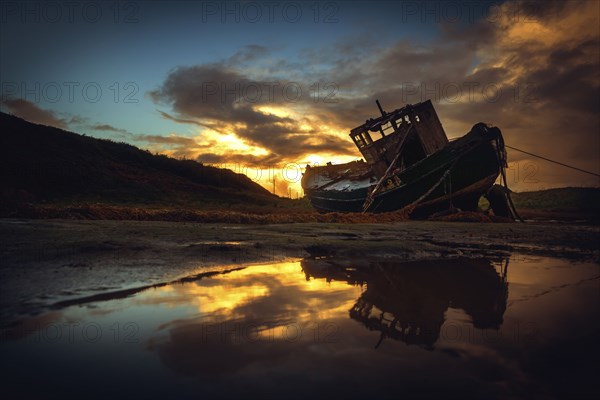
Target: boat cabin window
{"type": "Point", "coordinates": [362, 139]}
{"type": "Point", "coordinates": [359, 141]}
{"type": "Point", "coordinates": [387, 128]}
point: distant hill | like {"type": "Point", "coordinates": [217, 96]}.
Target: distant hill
{"type": "Point", "coordinates": [42, 164]}
{"type": "Point", "coordinates": [583, 199]}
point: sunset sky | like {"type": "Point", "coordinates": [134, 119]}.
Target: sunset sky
{"type": "Point", "coordinates": [266, 87]}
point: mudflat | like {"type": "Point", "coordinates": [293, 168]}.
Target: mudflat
{"type": "Point", "coordinates": [48, 262]}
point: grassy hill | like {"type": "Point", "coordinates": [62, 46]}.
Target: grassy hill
{"type": "Point", "coordinates": [561, 199]}
{"type": "Point", "coordinates": [563, 204]}
{"type": "Point", "coordinates": [45, 165]}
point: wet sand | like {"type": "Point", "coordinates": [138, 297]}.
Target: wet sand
{"type": "Point", "coordinates": [46, 263]}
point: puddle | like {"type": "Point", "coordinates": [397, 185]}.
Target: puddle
{"type": "Point", "coordinates": [521, 327]}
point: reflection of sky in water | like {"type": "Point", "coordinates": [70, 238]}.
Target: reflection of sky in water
{"type": "Point", "coordinates": [317, 327]}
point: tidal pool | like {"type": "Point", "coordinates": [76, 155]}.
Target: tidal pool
{"type": "Point", "coordinates": [518, 327]}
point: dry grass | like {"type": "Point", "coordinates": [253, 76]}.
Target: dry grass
{"type": "Point", "coordinates": [107, 212]}
{"type": "Point", "coordinates": [110, 212]}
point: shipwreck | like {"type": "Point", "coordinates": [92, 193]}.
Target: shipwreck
{"type": "Point", "coordinates": [409, 163]}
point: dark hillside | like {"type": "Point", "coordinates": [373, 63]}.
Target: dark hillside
{"type": "Point", "coordinates": [42, 164]}
{"type": "Point", "coordinates": [560, 199]}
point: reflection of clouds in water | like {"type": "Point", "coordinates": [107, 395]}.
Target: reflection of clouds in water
{"type": "Point", "coordinates": [255, 321]}
{"type": "Point", "coordinates": [309, 328]}
{"type": "Point", "coordinates": [278, 289]}
{"type": "Point", "coordinates": [263, 316]}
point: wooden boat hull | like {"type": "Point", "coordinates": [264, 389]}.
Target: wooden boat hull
{"type": "Point", "coordinates": [474, 161]}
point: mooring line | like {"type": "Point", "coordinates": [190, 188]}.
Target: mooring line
{"type": "Point", "coordinates": [553, 161]}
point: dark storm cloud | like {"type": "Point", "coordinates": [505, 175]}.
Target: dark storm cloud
{"type": "Point", "coordinates": [535, 79]}
{"type": "Point", "coordinates": [215, 96]}
{"type": "Point", "coordinates": [242, 159]}
{"type": "Point", "coordinates": [31, 112]}
{"type": "Point", "coordinates": [551, 81]}
{"type": "Point", "coordinates": [109, 128]}
{"type": "Point", "coordinates": [176, 142]}
{"type": "Point", "coordinates": [541, 10]}
{"type": "Point", "coordinates": [214, 92]}
{"type": "Point", "coordinates": [212, 126]}
{"type": "Point", "coordinates": [533, 70]}
{"type": "Point", "coordinates": [182, 141]}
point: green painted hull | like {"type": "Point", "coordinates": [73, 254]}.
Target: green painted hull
{"type": "Point", "coordinates": [474, 163]}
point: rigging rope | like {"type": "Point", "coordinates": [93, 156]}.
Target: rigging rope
{"type": "Point", "coordinates": [371, 195]}
{"type": "Point", "coordinates": [556, 162]}
{"type": "Point", "coordinates": [502, 157]}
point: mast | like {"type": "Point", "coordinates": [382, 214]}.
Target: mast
{"type": "Point", "coordinates": [383, 113]}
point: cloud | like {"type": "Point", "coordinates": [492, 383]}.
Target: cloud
{"type": "Point", "coordinates": [107, 127]}
{"type": "Point", "coordinates": [178, 146]}
{"type": "Point", "coordinates": [171, 140]}
{"type": "Point", "coordinates": [217, 97]}
{"type": "Point", "coordinates": [548, 73]}
{"type": "Point", "coordinates": [534, 76]}
{"type": "Point", "coordinates": [247, 53]}
{"type": "Point", "coordinates": [31, 112]}
{"type": "Point", "coordinates": [533, 71]}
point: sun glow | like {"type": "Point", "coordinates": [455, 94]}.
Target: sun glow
{"type": "Point", "coordinates": [222, 144]}
{"type": "Point", "coordinates": [281, 112]}
{"type": "Point", "coordinates": [228, 296]}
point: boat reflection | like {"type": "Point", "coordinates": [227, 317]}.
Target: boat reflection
{"type": "Point", "coordinates": [408, 301]}
{"type": "Point", "coordinates": [299, 327]}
